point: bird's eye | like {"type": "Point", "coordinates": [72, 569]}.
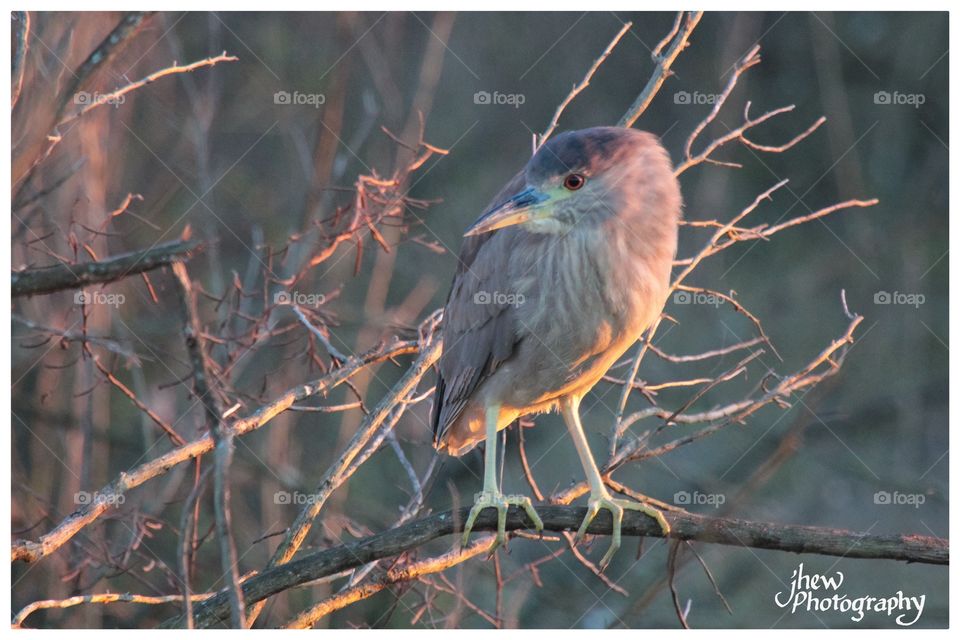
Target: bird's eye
{"type": "Point", "coordinates": [573, 181]}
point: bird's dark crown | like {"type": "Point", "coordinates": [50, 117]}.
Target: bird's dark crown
{"type": "Point", "coordinates": [586, 151]}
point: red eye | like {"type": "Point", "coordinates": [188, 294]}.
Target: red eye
{"type": "Point", "coordinates": [573, 181]}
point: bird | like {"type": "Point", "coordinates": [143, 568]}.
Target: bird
{"type": "Point", "coordinates": [555, 280]}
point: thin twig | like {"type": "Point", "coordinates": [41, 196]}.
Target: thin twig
{"type": "Point", "coordinates": [101, 598]}
{"type": "Point", "coordinates": [662, 69]}
{"type": "Point", "coordinates": [539, 140]}
{"type": "Point", "coordinates": [128, 26]}
{"type": "Point", "coordinates": [117, 95]}
{"type": "Point", "coordinates": [203, 380]}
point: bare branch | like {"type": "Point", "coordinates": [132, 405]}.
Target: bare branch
{"type": "Point", "coordinates": [684, 526]}
{"type": "Point", "coordinates": [128, 26]}
{"type": "Point", "coordinates": [21, 43]}
{"type": "Point", "coordinates": [109, 495]}
{"type": "Point", "coordinates": [663, 63]}
{"type": "Point", "coordinates": [539, 140]}
{"type": "Point", "coordinates": [71, 276]}
{"type": "Point", "coordinates": [403, 572]}
{"type": "Point", "coordinates": [132, 358]}
{"type": "Point", "coordinates": [222, 440]}
{"type": "Point", "coordinates": [385, 414]}
{"type": "Point", "coordinates": [117, 94]}
{"type": "Point", "coordinates": [832, 356]}
{"type": "Point", "coordinates": [691, 159]}
{"type": "Point", "coordinates": [318, 334]}
{"type": "Point", "coordinates": [100, 598]}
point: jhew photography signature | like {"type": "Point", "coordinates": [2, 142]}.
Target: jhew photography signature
{"type": "Point", "coordinates": [820, 592]}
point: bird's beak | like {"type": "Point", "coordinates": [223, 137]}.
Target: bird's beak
{"type": "Point", "coordinates": [521, 208]}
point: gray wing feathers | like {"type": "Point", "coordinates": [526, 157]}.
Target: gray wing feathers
{"type": "Point", "coordinates": [478, 333]}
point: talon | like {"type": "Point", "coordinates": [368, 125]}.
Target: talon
{"type": "Point", "coordinates": [593, 508]}
{"type": "Point", "coordinates": [500, 502]}
{"type": "Point", "coordinates": [616, 507]}
{"type": "Point", "coordinates": [527, 505]}
{"type": "Point", "coordinates": [479, 504]}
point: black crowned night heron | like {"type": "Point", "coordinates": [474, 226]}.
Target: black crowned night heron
{"type": "Point", "coordinates": [556, 280]}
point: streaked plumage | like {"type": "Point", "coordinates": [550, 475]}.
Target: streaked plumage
{"type": "Point", "coordinates": [589, 287]}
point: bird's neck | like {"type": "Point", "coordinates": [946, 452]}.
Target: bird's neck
{"type": "Point", "coordinates": [638, 253]}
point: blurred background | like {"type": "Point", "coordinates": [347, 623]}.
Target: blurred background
{"type": "Point", "coordinates": [252, 153]}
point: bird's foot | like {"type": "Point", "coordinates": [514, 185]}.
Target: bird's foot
{"type": "Point", "coordinates": [616, 507]}
{"type": "Point", "coordinates": [500, 502]}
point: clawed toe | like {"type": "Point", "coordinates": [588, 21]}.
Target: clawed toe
{"type": "Point", "coordinates": [616, 507]}
{"type": "Point", "coordinates": [500, 502]}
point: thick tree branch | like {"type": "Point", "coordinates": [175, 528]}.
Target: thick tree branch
{"type": "Point", "coordinates": [71, 276]}
{"type": "Point", "coordinates": [685, 526]}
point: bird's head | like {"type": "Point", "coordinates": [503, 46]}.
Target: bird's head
{"type": "Point", "coordinates": [585, 176]}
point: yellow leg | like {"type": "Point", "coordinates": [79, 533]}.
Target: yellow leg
{"type": "Point", "coordinates": [491, 497]}
{"type": "Point", "coordinates": [600, 498]}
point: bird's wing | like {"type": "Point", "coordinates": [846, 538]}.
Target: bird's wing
{"type": "Point", "coordinates": [478, 330]}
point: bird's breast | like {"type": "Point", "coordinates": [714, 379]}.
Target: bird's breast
{"type": "Point", "coordinates": [589, 291]}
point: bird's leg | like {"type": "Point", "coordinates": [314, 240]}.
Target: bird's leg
{"type": "Point", "coordinates": [491, 496]}
{"type": "Point", "coordinates": [600, 498]}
